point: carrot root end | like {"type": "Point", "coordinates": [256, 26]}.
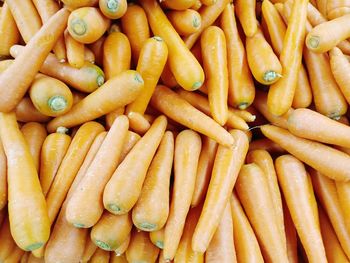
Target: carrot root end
{"type": "Point", "coordinates": [103, 245]}
{"type": "Point", "coordinates": [57, 103]}
{"type": "Point", "coordinates": [34, 246]}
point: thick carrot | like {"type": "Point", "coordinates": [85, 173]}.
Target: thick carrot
{"type": "Point", "coordinates": [7, 242]}
{"type": "Point", "coordinates": [110, 117]}
{"type": "Point", "coordinates": [241, 89]}
{"type": "Point", "coordinates": [227, 163]}
{"type": "Point", "coordinates": [185, 22]}
{"type": "Point", "coordinates": [138, 123]}
{"type": "Point", "coordinates": [100, 256]}
{"type": "Point", "coordinates": [267, 145]}
{"type": "Point", "coordinates": [185, 67]}
{"type": "Point", "coordinates": [135, 26]}
{"type": "Point", "coordinates": [87, 24]}
{"type": "Point", "coordinates": [75, 51]}
{"type": "Point", "coordinates": [86, 79]}
{"type": "Point", "coordinates": [26, 112]}
{"type": "Point", "coordinates": [24, 196]}
{"type": "Point", "coordinates": [151, 211]}
{"type": "Point", "coordinates": [291, 235]}
{"type": "Point", "coordinates": [214, 54]}
{"type": "Point", "coordinates": [28, 63]}
{"type": "Point", "coordinates": [50, 96]}
{"type": "Point", "coordinates": [124, 187]}
{"type": "Point", "coordinates": [110, 96]}
{"type": "Point", "coordinates": [157, 238]}
{"type": "Point", "coordinates": [222, 247]}
{"type": "Point", "coordinates": [113, 9]}
{"type": "Point", "coordinates": [3, 179]}
{"type": "Point", "coordinates": [85, 206]}
{"type": "Point", "coordinates": [296, 185]}
{"type": "Point", "coordinates": [178, 109]}
{"type": "Point", "coordinates": [8, 31]}
{"type": "Point", "coordinates": [116, 47]}
{"type": "Point", "coordinates": [178, 4]}
{"type": "Point", "coordinates": [245, 11]}
{"type": "Point", "coordinates": [73, 4]}
{"type": "Point", "coordinates": [327, 195]}
{"type": "Point", "coordinates": [187, 150]}
{"type": "Point", "coordinates": [152, 58]}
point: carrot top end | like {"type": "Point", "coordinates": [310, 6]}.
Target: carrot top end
{"type": "Point", "coordinates": [114, 208]}
{"type": "Point", "coordinates": [34, 246]}
{"type": "Point", "coordinates": [100, 80]}
{"type": "Point", "coordinates": [196, 22]}
{"type": "Point", "coordinates": [313, 42]}
{"type": "Point", "coordinates": [138, 78]}
{"type": "Point", "coordinates": [78, 225]}
{"type": "Point", "coordinates": [112, 5]}
{"type": "Point", "coordinates": [158, 38]}
{"type": "Point", "coordinates": [62, 130]}
{"type": "Point", "coordinates": [78, 26]}
{"type": "Point", "coordinates": [57, 103]}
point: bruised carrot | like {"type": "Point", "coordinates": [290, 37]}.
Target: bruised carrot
{"type": "Point", "coordinates": [227, 163]}
{"type": "Point", "coordinates": [265, 144]}
{"type": "Point", "coordinates": [3, 179]}
{"type": "Point", "coordinates": [113, 9]}
{"type": "Point", "coordinates": [157, 238]}
{"type": "Point", "coordinates": [8, 31]}
{"type": "Point", "coordinates": [28, 63]}
{"type": "Point", "coordinates": [138, 123]}
{"type": "Point", "coordinates": [29, 232]}
{"type": "Point", "coordinates": [110, 117]}
{"type": "Point", "coordinates": [7, 242]}
{"type": "Point", "coordinates": [110, 96]}
{"type": "Point", "coordinates": [245, 11]}
{"type": "Point", "coordinates": [178, 5]}
{"type": "Point", "coordinates": [26, 112]}
{"type": "Point", "coordinates": [50, 96]}
{"type": "Point", "coordinates": [75, 51]}
{"type": "Point", "coordinates": [73, 4]}
{"type": "Point", "coordinates": [185, 22]}
{"type": "Point", "coordinates": [181, 111]}
{"type": "Point", "coordinates": [291, 236]}
{"type": "Point", "coordinates": [87, 79]}
{"type": "Point", "coordinates": [100, 256]}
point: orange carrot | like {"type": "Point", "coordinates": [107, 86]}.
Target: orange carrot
{"type": "Point", "coordinates": [73, 4]}
{"type": "Point", "coordinates": [245, 11]}
{"type": "Point", "coordinates": [8, 31]}
{"type": "Point", "coordinates": [157, 238]}
{"type": "Point", "coordinates": [338, 12]}
{"type": "Point", "coordinates": [343, 190]}
{"type": "Point", "coordinates": [197, 5]}
{"type": "Point", "coordinates": [89, 249]}
{"type": "Point", "coordinates": [75, 51]}
{"type": "Point", "coordinates": [266, 144]}
{"type": "Point", "coordinates": [15, 255]}
{"type": "Point", "coordinates": [7, 242]}
{"type": "Point", "coordinates": [138, 123]}
{"type": "Point", "coordinates": [185, 22]}
{"type": "Point", "coordinates": [130, 141]}
{"type": "Point", "coordinates": [168, 78]}
{"type": "Point", "coordinates": [26, 112]}
{"type": "Point", "coordinates": [3, 179]}
{"type": "Point", "coordinates": [113, 9]}
{"type": "Point", "coordinates": [291, 235]}
{"type": "Point", "coordinates": [123, 247]}
{"type": "Point", "coordinates": [100, 256]}
{"type": "Point", "coordinates": [89, 56]}
{"type": "Point", "coordinates": [97, 49]}
{"type": "Point", "coordinates": [110, 117]}
{"type": "Point", "coordinates": [114, 258]}
{"type": "Point", "coordinates": [178, 5]}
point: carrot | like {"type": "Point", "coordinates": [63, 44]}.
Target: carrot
{"type": "Point", "coordinates": [111, 230]}
{"type": "Point", "coordinates": [205, 167]}
{"type": "Point", "coordinates": [322, 6]}
{"type": "Point", "coordinates": [50, 96]}
{"type": "Point", "coordinates": [178, 5]}
{"type": "Point", "coordinates": [73, 4]}
{"type": "Point", "coordinates": [310, 152]}
{"type": "Point", "coordinates": [245, 11]}
{"type": "Point", "coordinates": [26, 257]}
{"type": "Point", "coordinates": [227, 163]}
{"type": "Point", "coordinates": [124, 187]}
{"type": "Point", "coordinates": [87, 24]}
{"type": "Point", "coordinates": [152, 58]}
{"type": "Point", "coordinates": [213, 44]}
{"type": "Point", "coordinates": [185, 67]}
{"type": "Point", "coordinates": [97, 49]}
{"type": "Point", "coordinates": [141, 248]}
{"type": "Point", "coordinates": [181, 111]}
{"type": "Point", "coordinates": [157, 238]}
{"type": "Point", "coordinates": [100, 256]}
{"type": "Point", "coordinates": [85, 206]}
{"type": "Point", "coordinates": [110, 96]}
{"type": "Point", "coordinates": [8, 31]}
{"type": "Point", "coordinates": [343, 191]}
{"type": "Point", "coordinates": [89, 249]}
{"type": "Point", "coordinates": [114, 258]}
{"type": "Point", "coordinates": [26, 112]}
{"type": "Point", "coordinates": [327, 195]}
{"type": "Point", "coordinates": [208, 14]}
{"type": "Point", "coordinates": [130, 141]}
{"type": "Point", "coordinates": [138, 123]}
{"type": "Point", "coordinates": [75, 51]}
{"type": "Point", "coordinates": [185, 22]}
{"type": "Point", "coordinates": [267, 145]}
{"type": "Point", "coordinates": [291, 235]}
{"type": "Point", "coordinates": [222, 247]}
{"type": "Point", "coordinates": [28, 63]}
{"type": "Point", "coordinates": [187, 150]}
{"type": "Point", "coordinates": [123, 247]}
{"type": "Point", "coordinates": [241, 90]}
{"type": "Point", "coordinates": [277, 30]}
{"type": "Point", "coordinates": [167, 77]}
{"type": "Point", "coordinates": [197, 5]}
{"type": "Point", "coordinates": [3, 180]}
{"type": "Point", "coordinates": [262, 61]}
{"type": "Point", "coordinates": [296, 185]}
{"type": "Point", "coordinates": [26, 17]}
{"type": "Point", "coordinates": [7, 242]}
{"type": "Point", "coordinates": [15, 255]}
{"type": "Point", "coordinates": [338, 12]}
{"type": "Point", "coordinates": [135, 26]}
{"type": "Point", "coordinates": [113, 9]}
{"type": "Point", "coordinates": [29, 232]}
{"type": "Point", "coordinates": [89, 56]}
{"type": "Point", "coordinates": [87, 79]}
{"type": "Point", "coordinates": [110, 117]}
{"type": "Point", "coordinates": [151, 211]}
{"type": "Point", "coordinates": [116, 47]}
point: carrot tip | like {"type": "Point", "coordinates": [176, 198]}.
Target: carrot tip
{"type": "Point", "coordinates": [147, 226]}
{"type": "Point", "coordinates": [113, 5]}
{"type": "Point", "coordinates": [160, 244]}
{"type": "Point", "coordinates": [197, 85]}
{"type": "Point", "coordinates": [79, 225]}
{"type": "Point", "coordinates": [79, 26]}
{"type": "Point", "coordinates": [313, 42]}
{"type": "Point", "coordinates": [34, 246]}
{"type": "Point", "coordinates": [100, 80]}
{"type": "Point", "coordinates": [243, 106]}
{"type": "Point", "coordinates": [158, 38]}
{"type": "Point", "coordinates": [57, 103]}
{"type": "Point", "coordinates": [103, 245]}
{"type": "Point", "coordinates": [62, 130]}
{"type": "Point", "coordinates": [270, 76]}
{"type": "Point", "coordinates": [62, 60]}
{"type": "Point", "coordinates": [114, 208]}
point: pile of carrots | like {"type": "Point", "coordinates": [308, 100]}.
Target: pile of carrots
{"type": "Point", "coordinates": [174, 131]}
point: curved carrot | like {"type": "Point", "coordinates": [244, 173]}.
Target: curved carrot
{"type": "Point", "coordinates": [3, 179]}
{"type": "Point", "coordinates": [73, 4]}
{"type": "Point", "coordinates": [213, 44]}
{"type": "Point", "coordinates": [28, 63]}
{"type": "Point", "coordinates": [75, 51]}
{"type": "Point", "coordinates": [110, 96]}
{"type": "Point", "coordinates": [8, 31]}
{"type": "Point", "coordinates": [113, 9]}
{"type": "Point", "coordinates": [151, 211]}
{"type": "Point", "coordinates": [34, 133]}
{"type": "Point", "coordinates": [291, 236]}
{"type": "Point", "coordinates": [245, 11]}
{"type": "Point", "coordinates": [187, 150]}
{"type": "Point", "coordinates": [53, 150]}
{"type": "Point", "coordinates": [185, 67]}
{"type": "Point", "coordinates": [26, 112]}
{"type": "Point", "coordinates": [89, 250]}
{"type": "Point", "coordinates": [110, 117]}
{"type": "Point", "coordinates": [178, 4]}
{"type": "Point", "coordinates": [157, 238]}
{"type": "Point", "coordinates": [29, 232]}
{"type": "Point", "coordinates": [7, 242]}
{"type": "Point", "coordinates": [138, 123]}
{"type": "Point", "coordinates": [241, 89]}
{"type": "Point", "coordinates": [178, 109]}
{"type": "Point", "coordinates": [50, 96]}
{"type": "Point", "coordinates": [100, 256]}
{"type": "Point", "coordinates": [185, 22]}
{"type": "Point", "coordinates": [267, 145]}
{"type": "Point", "coordinates": [227, 163]}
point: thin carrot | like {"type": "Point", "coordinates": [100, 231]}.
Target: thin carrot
{"type": "Point", "coordinates": [178, 5]}
{"type": "Point", "coordinates": [141, 248]}
{"type": "Point", "coordinates": [187, 150]}
{"type": "Point", "coordinates": [97, 49]}
{"type": "Point", "coordinates": [151, 211]}
{"type": "Point", "coordinates": [245, 11]}
{"type": "Point", "coordinates": [89, 249]}
{"type": "Point", "coordinates": [227, 163]}
{"type": "Point", "coordinates": [311, 153]}
{"type": "Point", "coordinates": [75, 51]}
{"type": "Point", "coordinates": [110, 96]}
{"type": "Point", "coordinates": [138, 123]}
{"type": "Point", "coordinates": [7, 242]}
{"type": "Point", "coordinates": [291, 235]}
{"type": "Point", "coordinates": [8, 31]}
{"type": "Point", "coordinates": [113, 9]}
{"type": "Point", "coordinates": [29, 232]}
{"type": "Point", "coordinates": [73, 4]}
{"type": "Point", "coordinates": [26, 112]}
{"type": "Point", "coordinates": [110, 117]}
{"type": "Point", "coordinates": [157, 238]}
{"type": "Point", "coordinates": [100, 256]}
{"type": "Point", "coordinates": [28, 63]}
{"type": "Point", "coordinates": [185, 22]}
{"type": "Point", "coordinates": [181, 111]}
{"type": "Point", "coordinates": [267, 145]}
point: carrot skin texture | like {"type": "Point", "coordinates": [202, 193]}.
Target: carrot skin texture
{"type": "Point", "coordinates": [291, 236]}
{"type": "Point", "coordinates": [8, 31]}
{"type": "Point", "coordinates": [26, 112]}
{"type": "Point", "coordinates": [245, 11]}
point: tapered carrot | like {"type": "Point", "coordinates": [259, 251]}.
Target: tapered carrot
{"type": "Point", "coordinates": [86, 79]}
{"type": "Point", "coordinates": [297, 189]}
{"type": "Point", "coordinates": [8, 31]}
{"type": "Point", "coordinates": [266, 144]}
{"type": "Point", "coordinates": [26, 112]}
{"type": "Point", "coordinates": [135, 26]}
{"type": "Point", "coordinates": [181, 111]}
{"type": "Point", "coordinates": [73, 4]}
{"type": "Point", "coordinates": [185, 22]}
{"type": "Point", "coordinates": [245, 11]}
{"type": "Point", "coordinates": [110, 96]}
{"type": "Point", "coordinates": [138, 123]}
{"type": "Point", "coordinates": [151, 211]}
{"type": "Point", "coordinates": [291, 235]}
{"type": "Point", "coordinates": [326, 193]}
{"type": "Point", "coordinates": [187, 150]}
{"type": "Point", "coordinates": [7, 242]}
{"type": "Point", "coordinates": [100, 256]}
{"type": "Point", "coordinates": [124, 187]}
{"type": "Point", "coordinates": [113, 9]}
{"type": "Point", "coordinates": [28, 63]}
{"type": "Point", "coordinates": [89, 56]}
{"type": "Point", "coordinates": [130, 141]}
{"type": "Point", "coordinates": [110, 117]}
{"type": "Point", "coordinates": [227, 163]}
{"type": "Point", "coordinates": [241, 89]}
{"type": "Point", "coordinates": [157, 237]}
{"type": "Point", "coordinates": [3, 179]}
{"type": "Point", "coordinates": [196, 5]}
{"type": "Point", "coordinates": [29, 221]}
{"type": "Point", "coordinates": [85, 206]}
{"type": "Point", "coordinates": [75, 51]}
{"type": "Point", "coordinates": [311, 152]}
